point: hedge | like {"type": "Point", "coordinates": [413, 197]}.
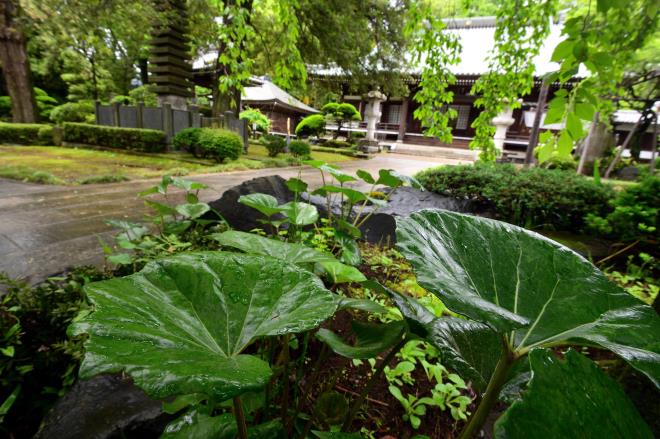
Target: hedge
{"type": "Point", "coordinates": [533, 198]}
{"type": "Point", "coordinates": [220, 144]}
{"type": "Point", "coordinates": [26, 133]}
{"type": "Point", "coordinates": [114, 137]}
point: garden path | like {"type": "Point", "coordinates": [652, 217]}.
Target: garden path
{"type": "Point", "coordinates": [46, 229]}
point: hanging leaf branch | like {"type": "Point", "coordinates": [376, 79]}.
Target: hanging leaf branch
{"type": "Point", "coordinates": [522, 27]}
{"type": "Point", "coordinates": [436, 50]}
{"type": "Point", "coordinates": [234, 32]}
{"type": "Point", "coordinates": [290, 69]}
{"type": "Point", "coordinates": [604, 38]}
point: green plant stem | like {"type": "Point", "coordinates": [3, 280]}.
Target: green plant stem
{"type": "Point", "coordinates": [355, 407]}
{"type": "Point", "coordinates": [285, 389]}
{"type": "Point", "coordinates": [489, 399]}
{"type": "Point", "coordinates": [240, 418]}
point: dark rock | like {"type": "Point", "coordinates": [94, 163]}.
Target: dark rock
{"type": "Point", "coordinates": [380, 228]}
{"type": "Point", "coordinates": [628, 173]}
{"type": "Point", "coordinates": [106, 406]}
{"type": "Point", "coordinates": [245, 218]}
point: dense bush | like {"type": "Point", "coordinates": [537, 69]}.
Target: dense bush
{"type": "Point", "coordinates": [313, 125]}
{"type": "Point", "coordinates": [536, 197]}
{"type": "Point", "coordinates": [299, 148]}
{"type": "Point", "coordinates": [274, 144]}
{"type": "Point", "coordinates": [560, 162]}
{"type": "Point", "coordinates": [145, 94]}
{"type": "Point", "coordinates": [635, 214]}
{"type": "Point", "coordinates": [73, 112]}
{"type": "Point", "coordinates": [114, 137]}
{"type": "Point", "coordinates": [45, 104]}
{"type": "Point", "coordinates": [26, 133]}
{"type": "Point", "coordinates": [5, 107]}
{"type": "Point", "coordinates": [336, 144]}
{"type": "Point", "coordinates": [188, 140]}
{"type": "Point", "coordinates": [220, 144]}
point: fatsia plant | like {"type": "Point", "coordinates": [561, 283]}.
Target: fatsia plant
{"type": "Point", "coordinates": [180, 326]}
{"type": "Point", "coordinates": [523, 292]}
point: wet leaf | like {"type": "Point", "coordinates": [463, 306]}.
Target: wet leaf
{"type": "Point", "coordinates": [192, 211]}
{"type": "Point", "coordinates": [196, 425]}
{"type": "Point", "coordinates": [204, 306]}
{"type": "Point", "coordinates": [300, 214]}
{"type": "Point", "coordinates": [527, 287]}
{"type": "Point", "coordinates": [264, 203]}
{"type": "Point", "coordinates": [570, 398]}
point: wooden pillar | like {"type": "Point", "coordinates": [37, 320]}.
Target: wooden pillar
{"type": "Point", "coordinates": [115, 114]}
{"type": "Point", "coordinates": [403, 120]}
{"type": "Point", "coordinates": [168, 121]}
{"type": "Point", "coordinates": [534, 136]}
{"type": "Point", "coordinates": [97, 110]}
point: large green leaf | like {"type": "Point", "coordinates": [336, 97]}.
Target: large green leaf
{"type": "Point", "coordinates": [260, 245]}
{"type": "Point", "coordinates": [264, 203]}
{"type": "Point", "coordinates": [536, 291]}
{"type": "Point", "coordinates": [370, 339]}
{"type": "Point", "coordinates": [469, 348]}
{"type": "Point", "coordinates": [300, 214]}
{"type": "Point", "coordinates": [196, 425]}
{"type": "Point", "coordinates": [179, 325]}
{"type": "Point", "coordinates": [571, 398]}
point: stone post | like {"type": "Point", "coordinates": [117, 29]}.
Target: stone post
{"type": "Point", "coordinates": [168, 122]}
{"type": "Point", "coordinates": [502, 123]}
{"type": "Point", "coordinates": [373, 113]}
{"type": "Point", "coordinates": [97, 111]}
{"type": "Point", "coordinates": [115, 114]}
{"type": "Point", "coordinates": [140, 115]}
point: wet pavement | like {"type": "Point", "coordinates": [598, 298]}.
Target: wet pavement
{"type": "Point", "coordinates": [46, 229]}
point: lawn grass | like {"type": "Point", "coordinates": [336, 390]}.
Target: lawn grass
{"type": "Point", "coordinates": [58, 165]}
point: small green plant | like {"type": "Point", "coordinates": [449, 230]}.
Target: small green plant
{"type": "Point", "coordinates": [300, 148]}
{"type": "Point", "coordinates": [220, 144]}
{"type": "Point", "coordinates": [274, 144]}
{"type": "Point", "coordinates": [640, 277]}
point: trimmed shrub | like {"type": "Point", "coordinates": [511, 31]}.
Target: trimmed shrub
{"type": "Point", "coordinates": [114, 137]}
{"type": "Point", "coordinates": [26, 133]}
{"type": "Point", "coordinates": [274, 144]}
{"type": "Point", "coordinates": [188, 140]}
{"type": "Point", "coordinates": [313, 125]}
{"type": "Point", "coordinates": [300, 148]}
{"type": "Point", "coordinates": [545, 198]}
{"type": "Point", "coordinates": [559, 162]}
{"type": "Point", "coordinates": [72, 112]}
{"type": "Point", "coordinates": [220, 144]}
{"type": "Point", "coordinates": [336, 144]}
{"type": "Point", "coordinates": [635, 214]}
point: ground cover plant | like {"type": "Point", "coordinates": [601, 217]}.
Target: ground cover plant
{"type": "Point", "coordinates": [58, 165]}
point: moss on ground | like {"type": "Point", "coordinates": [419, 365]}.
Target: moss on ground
{"type": "Point", "coordinates": [57, 165]}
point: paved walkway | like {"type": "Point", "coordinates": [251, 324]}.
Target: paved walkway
{"type": "Point", "coordinates": [46, 229]}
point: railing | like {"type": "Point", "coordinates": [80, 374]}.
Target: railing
{"type": "Point", "coordinates": [167, 119]}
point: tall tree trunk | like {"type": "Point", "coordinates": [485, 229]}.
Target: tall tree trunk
{"type": "Point", "coordinates": [534, 135]}
{"type": "Point", "coordinates": [654, 146]}
{"type": "Point", "coordinates": [619, 153]}
{"type": "Point", "coordinates": [143, 66]}
{"type": "Point", "coordinates": [588, 143]}
{"type": "Point", "coordinates": [16, 64]}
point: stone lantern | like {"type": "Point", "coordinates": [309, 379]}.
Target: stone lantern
{"type": "Point", "coordinates": [372, 114]}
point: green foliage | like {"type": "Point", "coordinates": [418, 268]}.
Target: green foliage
{"type": "Point", "coordinates": [254, 116]}
{"type": "Point", "coordinates": [99, 179]}
{"type": "Point", "coordinates": [313, 125]}
{"type": "Point", "coordinates": [640, 277]}
{"type": "Point", "coordinates": [635, 214]}
{"type": "Point", "coordinates": [29, 175]}
{"type": "Point", "coordinates": [515, 285]}
{"type": "Point", "coordinates": [221, 303]}
{"type": "Point", "coordinates": [340, 114]}
{"type": "Point", "coordinates": [188, 140]}
{"type": "Point", "coordinates": [274, 144]}
{"type": "Point", "coordinates": [114, 137]}
{"type": "Point", "coordinates": [73, 112]}
{"type": "Point", "coordinates": [144, 94]}
{"type": "Point", "coordinates": [527, 197]}
{"type": "Point", "coordinates": [36, 356]}
{"type": "Point", "coordinates": [45, 103]}
{"type": "Point", "coordinates": [562, 163]}
{"type": "Point", "coordinates": [5, 107]}
{"type": "Point", "coordinates": [300, 148]}
{"type": "Point", "coordinates": [26, 133]}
